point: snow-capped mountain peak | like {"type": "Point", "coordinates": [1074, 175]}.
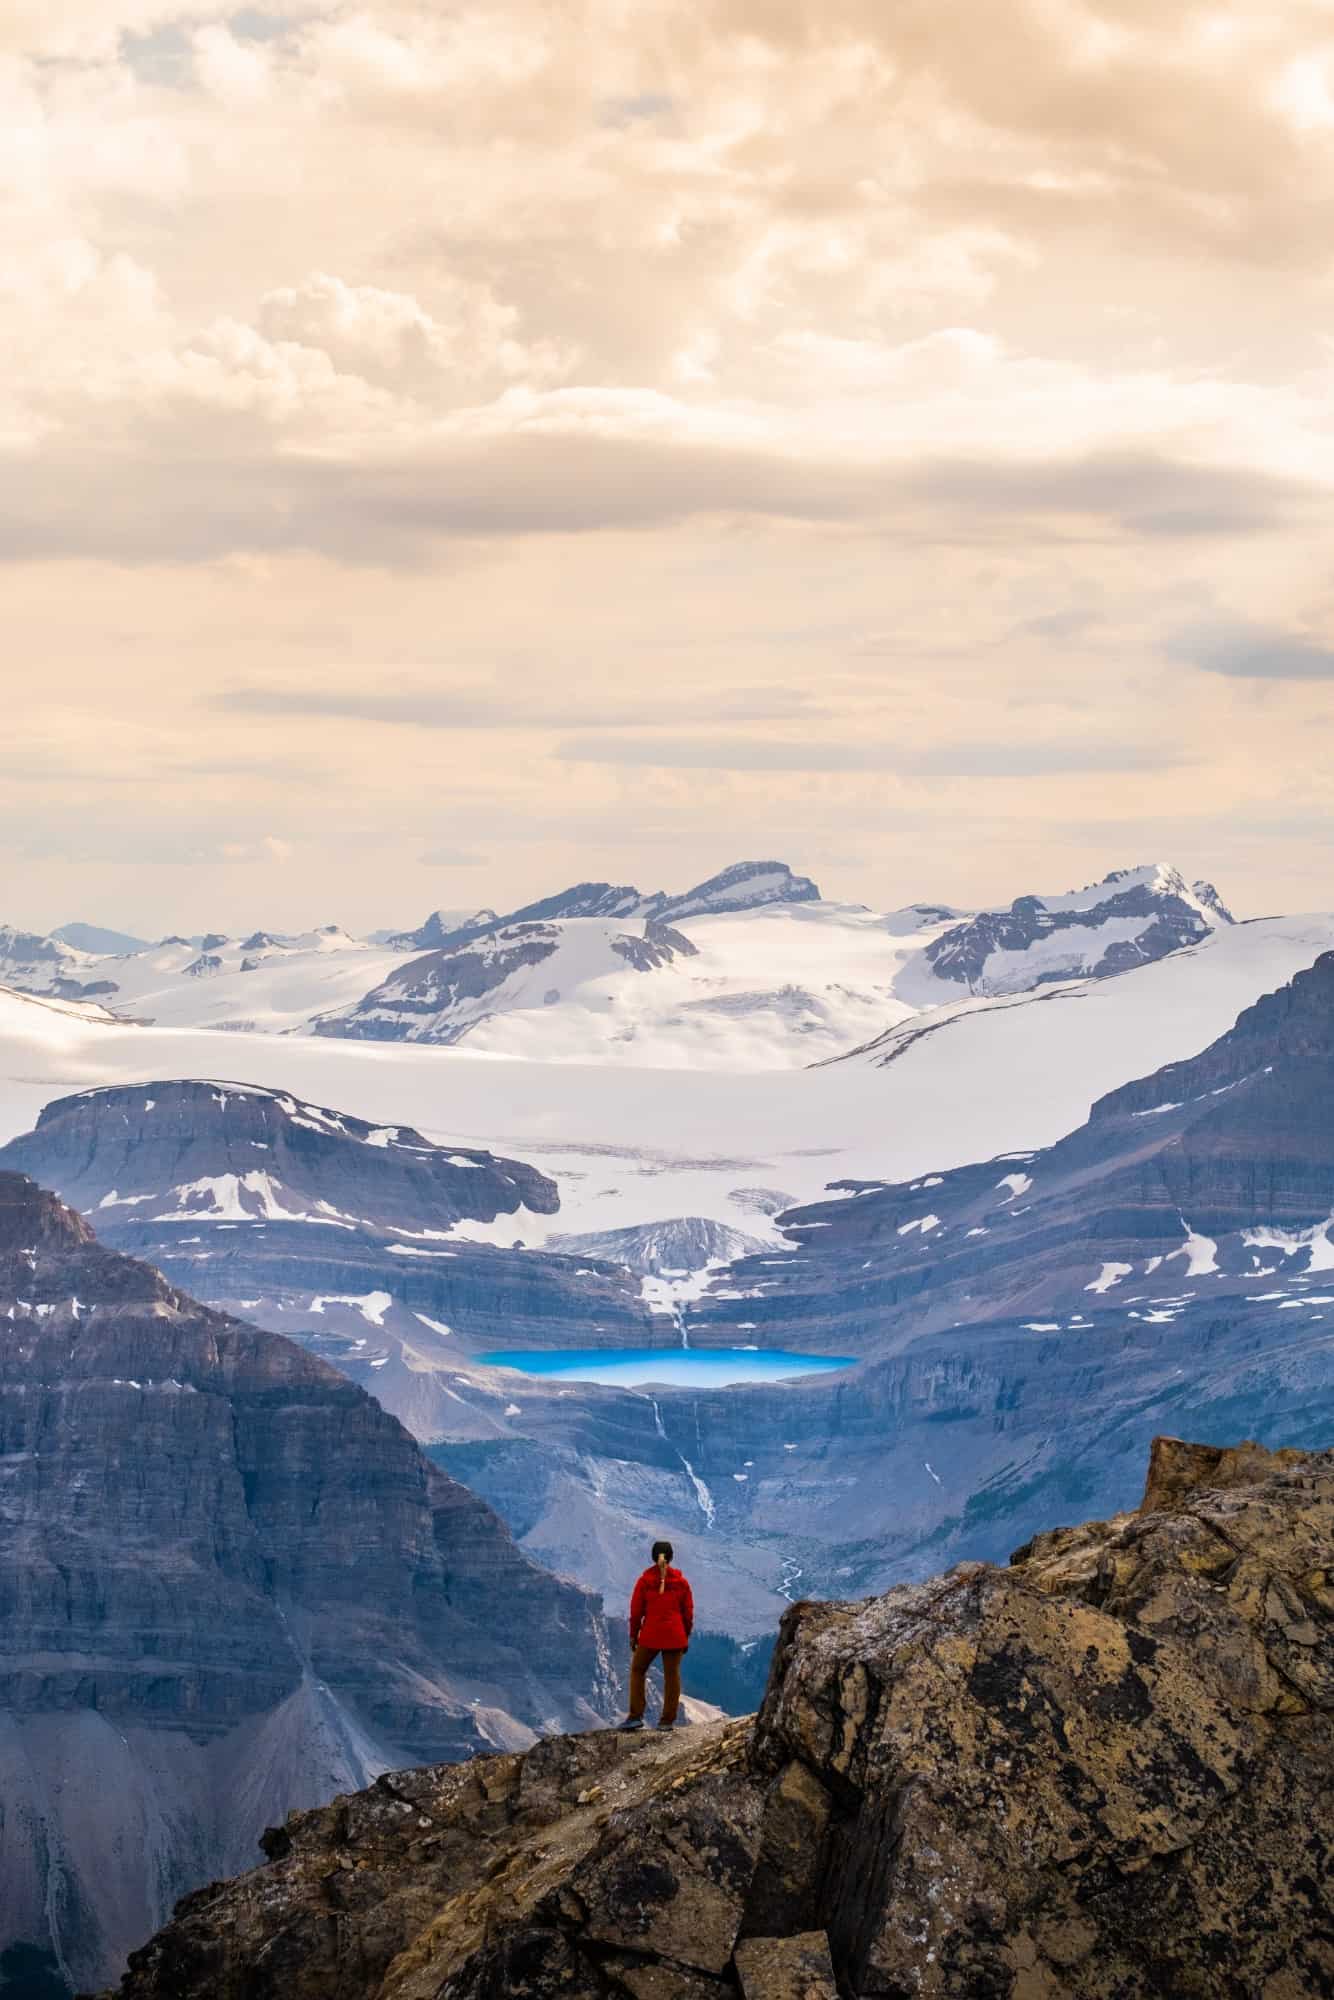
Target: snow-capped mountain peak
{"type": "Point", "coordinates": [746, 885]}
{"type": "Point", "coordinates": [1132, 916]}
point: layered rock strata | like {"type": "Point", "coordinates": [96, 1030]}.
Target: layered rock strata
{"type": "Point", "coordinates": [229, 1584]}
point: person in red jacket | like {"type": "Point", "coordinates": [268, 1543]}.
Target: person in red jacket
{"type": "Point", "coordinates": [662, 1611]}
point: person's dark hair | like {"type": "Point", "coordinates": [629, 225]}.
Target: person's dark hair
{"type": "Point", "coordinates": [662, 1549]}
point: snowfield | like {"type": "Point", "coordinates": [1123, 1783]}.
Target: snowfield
{"type": "Point", "coordinates": [638, 1145]}
{"type": "Point", "coordinates": [284, 984]}
{"type": "Point", "coordinates": [771, 988]}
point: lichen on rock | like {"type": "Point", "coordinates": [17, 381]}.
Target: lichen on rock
{"type": "Point", "coordinates": [1103, 1773]}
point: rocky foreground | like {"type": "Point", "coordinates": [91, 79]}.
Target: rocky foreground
{"type": "Point", "coordinates": [1106, 1772]}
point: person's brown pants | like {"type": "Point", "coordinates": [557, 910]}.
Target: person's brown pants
{"type": "Point", "coordinates": [642, 1660]}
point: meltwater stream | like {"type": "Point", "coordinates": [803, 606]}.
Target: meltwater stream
{"type": "Point", "coordinates": [701, 1491]}
{"type": "Point", "coordinates": [639, 1368]}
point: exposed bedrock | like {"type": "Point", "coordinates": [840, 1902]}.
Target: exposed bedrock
{"type": "Point", "coordinates": [1102, 1773]}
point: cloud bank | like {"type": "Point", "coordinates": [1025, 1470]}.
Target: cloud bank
{"type": "Point", "coordinates": [740, 424]}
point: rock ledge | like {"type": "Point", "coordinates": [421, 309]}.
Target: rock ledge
{"type": "Point", "coordinates": [1104, 1773]}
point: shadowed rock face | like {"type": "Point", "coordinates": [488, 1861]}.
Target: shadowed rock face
{"type": "Point", "coordinates": [203, 1152]}
{"type": "Point", "coordinates": [1100, 1774]}
{"type": "Point", "coordinates": [1141, 915]}
{"type": "Point", "coordinates": [439, 998]}
{"type": "Point", "coordinates": [229, 1583]}
{"type": "Point", "coordinates": [335, 1232]}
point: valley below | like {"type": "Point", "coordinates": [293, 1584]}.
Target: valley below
{"type": "Point", "coordinates": [829, 1329]}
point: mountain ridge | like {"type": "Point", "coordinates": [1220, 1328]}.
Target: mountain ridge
{"type": "Point", "coordinates": [751, 968]}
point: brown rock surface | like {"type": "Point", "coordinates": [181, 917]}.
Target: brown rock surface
{"type": "Point", "coordinates": [1106, 1773]}
{"type": "Point", "coordinates": [786, 1968]}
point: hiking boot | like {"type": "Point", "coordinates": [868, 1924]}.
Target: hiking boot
{"type": "Point", "coordinates": [631, 1722]}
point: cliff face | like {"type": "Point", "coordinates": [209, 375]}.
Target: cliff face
{"type": "Point", "coordinates": [229, 1583]}
{"type": "Point", "coordinates": [352, 1238]}
{"type": "Point", "coordinates": [1103, 1773]}
{"type": "Point", "coordinates": [206, 1152]}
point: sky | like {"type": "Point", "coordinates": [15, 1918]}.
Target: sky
{"type": "Point", "coordinates": [448, 452]}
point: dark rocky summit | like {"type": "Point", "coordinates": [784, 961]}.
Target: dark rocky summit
{"type": "Point", "coordinates": [743, 886]}
{"type": "Point", "coordinates": [233, 1150]}
{"type": "Point", "coordinates": [1133, 916]}
{"type": "Point", "coordinates": [1102, 1773]}
{"type": "Point", "coordinates": [229, 1583]}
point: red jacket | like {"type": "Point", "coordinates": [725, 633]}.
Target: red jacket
{"type": "Point", "coordinates": [662, 1612]}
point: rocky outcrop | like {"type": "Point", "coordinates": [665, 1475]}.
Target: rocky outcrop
{"type": "Point", "coordinates": [437, 998]}
{"type": "Point", "coordinates": [1102, 1773]}
{"type": "Point", "coordinates": [1133, 916]}
{"type": "Point", "coordinates": [194, 1152]}
{"type": "Point", "coordinates": [229, 1583]}
{"type": "Point", "coordinates": [660, 945]}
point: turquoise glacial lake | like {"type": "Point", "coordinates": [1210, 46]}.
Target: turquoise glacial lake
{"type": "Point", "coordinates": [675, 1367]}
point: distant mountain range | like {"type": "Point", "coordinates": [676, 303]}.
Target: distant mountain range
{"type": "Point", "coordinates": [97, 939]}
{"type": "Point", "coordinates": [1052, 1178]}
{"type": "Point", "coordinates": [1168, 1250]}
{"type": "Point", "coordinates": [749, 970]}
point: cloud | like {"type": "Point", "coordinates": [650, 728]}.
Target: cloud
{"type": "Point", "coordinates": [452, 857]}
{"type": "Point", "coordinates": [497, 368]}
{"type": "Point", "coordinates": [949, 760]}
{"type": "Point", "coordinates": [99, 840]}
{"type": "Point", "coordinates": [268, 848]}
{"type": "Point", "coordinates": [515, 708]}
{"type": "Point", "coordinates": [1245, 651]}
{"type": "Point", "coordinates": [399, 510]}
{"type": "Point", "coordinates": [1146, 493]}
